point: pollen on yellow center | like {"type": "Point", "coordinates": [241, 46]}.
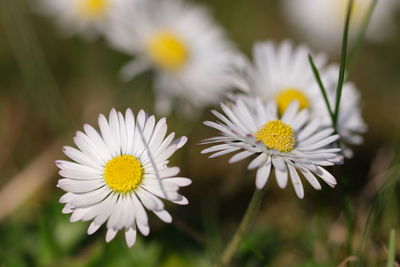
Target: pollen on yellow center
{"type": "Point", "coordinates": [167, 50]}
{"type": "Point", "coordinates": [287, 96]}
{"type": "Point", "coordinates": [123, 173]}
{"type": "Point", "coordinates": [277, 135]}
{"type": "Point", "coordinates": [94, 9]}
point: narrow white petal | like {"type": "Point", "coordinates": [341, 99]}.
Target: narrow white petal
{"type": "Point", "coordinates": [326, 176]}
{"type": "Point", "coordinates": [93, 227]}
{"type": "Point", "coordinates": [239, 156]}
{"type": "Point", "coordinates": [111, 233]}
{"type": "Point", "coordinates": [144, 229]}
{"type": "Point", "coordinates": [311, 179]}
{"type": "Point", "coordinates": [141, 215]}
{"type": "Point", "coordinates": [163, 215]}
{"type": "Point", "coordinates": [298, 186]}
{"type": "Point", "coordinates": [263, 175]}
{"type": "Point", "coordinates": [260, 159]}
{"type": "Point", "coordinates": [281, 177]}
{"type": "Point", "coordinates": [180, 181]}
{"type": "Point", "coordinates": [130, 237]}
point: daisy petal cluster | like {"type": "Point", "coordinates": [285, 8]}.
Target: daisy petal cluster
{"type": "Point", "coordinates": [87, 18]}
{"type": "Point", "coordinates": [282, 73]}
{"type": "Point", "coordinates": [189, 53]}
{"type": "Point", "coordinates": [289, 145]}
{"type": "Point", "coordinates": [321, 22]}
{"type": "Point", "coordinates": [119, 173]}
{"type": "Point", "coordinates": [350, 124]}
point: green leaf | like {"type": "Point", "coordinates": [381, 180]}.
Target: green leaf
{"type": "Point", "coordinates": [392, 248]}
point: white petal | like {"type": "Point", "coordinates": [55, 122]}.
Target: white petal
{"type": "Point", "coordinates": [114, 129]}
{"type": "Point", "coordinates": [123, 134]}
{"type": "Point", "coordinates": [180, 181]}
{"type": "Point", "coordinates": [281, 177]}
{"type": "Point", "coordinates": [326, 176]}
{"type": "Point", "coordinates": [311, 179]}
{"type": "Point", "coordinates": [260, 159]}
{"type": "Point", "coordinates": [111, 233]}
{"type": "Point", "coordinates": [93, 227]}
{"type": "Point", "coordinates": [80, 157]}
{"type": "Point", "coordinates": [163, 215]}
{"type": "Point", "coordinates": [91, 198]}
{"type": "Point", "coordinates": [181, 200]}
{"type": "Point", "coordinates": [263, 175]}
{"type": "Point", "coordinates": [239, 156]}
{"type": "Point", "coordinates": [290, 112]}
{"type": "Point", "coordinates": [298, 186]}
{"type": "Point", "coordinates": [141, 215]}
{"type": "Point", "coordinates": [130, 130]}
{"type": "Point", "coordinates": [144, 229]}
{"type": "Point", "coordinates": [130, 237]}
{"type": "Point", "coordinates": [107, 135]}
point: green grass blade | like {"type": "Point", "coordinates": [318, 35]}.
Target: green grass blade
{"type": "Point", "coordinates": [342, 69]}
{"type": "Point", "coordinates": [321, 85]}
{"type": "Point", "coordinates": [392, 248]}
{"type": "Point", "coordinates": [361, 35]}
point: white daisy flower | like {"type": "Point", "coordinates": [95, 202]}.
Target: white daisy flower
{"type": "Point", "coordinates": [322, 21]}
{"type": "Point", "coordinates": [118, 174]}
{"type": "Point", "coordinates": [350, 124]}
{"type": "Point", "coordinates": [282, 72]}
{"type": "Point", "coordinates": [85, 17]}
{"type": "Point", "coordinates": [190, 54]}
{"type": "Point", "coordinates": [290, 144]}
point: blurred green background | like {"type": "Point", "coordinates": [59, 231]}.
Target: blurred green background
{"type": "Point", "coordinates": [50, 85]}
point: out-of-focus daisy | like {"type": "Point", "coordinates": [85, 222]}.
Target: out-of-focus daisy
{"type": "Point", "coordinates": [350, 124]}
{"type": "Point", "coordinates": [282, 73]}
{"type": "Point", "coordinates": [322, 21]}
{"type": "Point", "coordinates": [290, 144]}
{"type": "Point", "coordinates": [85, 17]}
{"type": "Point", "coordinates": [190, 54]}
{"type": "Point", "coordinates": [118, 174]}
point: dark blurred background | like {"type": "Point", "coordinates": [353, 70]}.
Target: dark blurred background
{"type": "Point", "coordinates": [50, 85]}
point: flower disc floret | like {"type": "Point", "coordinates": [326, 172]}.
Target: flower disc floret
{"type": "Point", "coordinates": [93, 8]}
{"type": "Point", "coordinates": [287, 96]}
{"type": "Point", "coordinates": [277, 135]}
{"type": "Point", "coordinates": [123, 173]}
{"type": "Point", "coordinates": [167, 50]}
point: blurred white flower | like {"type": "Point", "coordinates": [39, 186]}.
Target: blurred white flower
{"type": "Point", "coordinates": [87, 18]}
{"type": "Point", "coordinates": [321, 22]}
{"type": "Point", "coordinates": [289, 143]}
{"type": "Point", "coordinates": [190, 54]}
{"type": "Point", "coordinates": [350, 124]}
{"type": "Point", "coordinates": [282, 72]}
{"type": "Point", "coordinates": [115, 176]}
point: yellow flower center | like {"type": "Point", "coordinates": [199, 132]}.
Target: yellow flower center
{"type": "Point", "coordinates": [167, 50]}
{"type": "Point", "coordinates": [94, 9]}
{"type": "Point", "coordinates": [123, 173]}
{"type": "Point", "coordinates": [277, 135]}
{"type": "Point", "coordinates": [287, 96]}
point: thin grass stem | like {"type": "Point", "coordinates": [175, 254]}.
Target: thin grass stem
{"type": "Point", "coordinates": [244, 227]}
{"type": "Point", "coordinates": [392, 248]}
{"type": "Point", "coordinates": [360, 36]}
{"type": "Point", "coordinates": [321, 85]}
{"type": "Point", "coordinates": [342, 69]}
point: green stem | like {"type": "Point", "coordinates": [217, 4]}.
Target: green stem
{"type": "Point", "coordinates": [342, 68]}
{"type": "Point", "coordinates": [348, 215]}
{"type": "Point", "coordinates": [244, 226]}
{"type": "Point", "coordinates": [360, 36]}
{"type": "Point", "coordinates": [392, 249]}
{"type": "Point", "coordinates": [321, 86]}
